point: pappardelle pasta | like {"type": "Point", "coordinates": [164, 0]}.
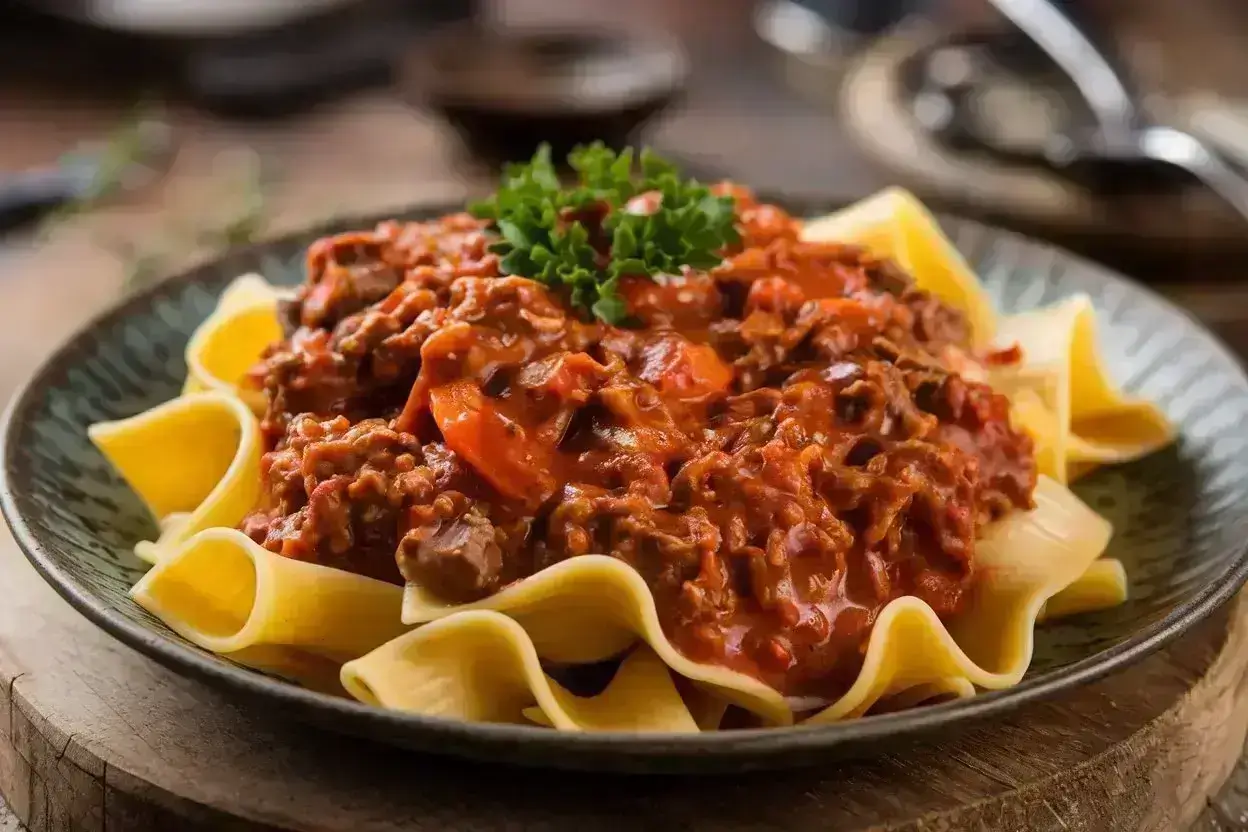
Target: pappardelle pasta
{"type": "Point", "coordinates": [632, 454]}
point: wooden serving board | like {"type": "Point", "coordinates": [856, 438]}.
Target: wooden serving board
{"type": "Point", "coordinates": [94, 736]}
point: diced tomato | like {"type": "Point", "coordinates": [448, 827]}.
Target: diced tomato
{"type": "Point", "coordinates": [645, 204]}
{"type": "Point", "coordinates": [851, 312]}
{"type": "Point", "coordinates": [462, 350]}
{"type": "Point", "coordinates": [454, 339]}
{"type": "Point", "coordinates": [682, 369]}
{"type": "Point", "coordinates": [685, 304]}
{"type": "Point", "coordinates": [319, 299]}
{"type": "Point", "coordinates": [642, 422]}
{"type": "Point", "coordinates": [742, 195]}
{"type": "Point", "coordinates": [749, 264]}
{"type": "Point", "coordinates": [417, 400]}
{"type": "Point", "coordinates": [774, 294]}
{"type": "Point", "coordinates": [568, 376]}
{"type": "Point", "coordinates": [1012, 354]}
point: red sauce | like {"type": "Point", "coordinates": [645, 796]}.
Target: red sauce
{"type": "Point", "coordinates": [779, 446]}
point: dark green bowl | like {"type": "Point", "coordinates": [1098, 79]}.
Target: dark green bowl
{"type": "Point", "coordinates": [1181, 515]}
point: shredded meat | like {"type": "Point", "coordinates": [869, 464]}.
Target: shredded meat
{"type": "Point", "coordinates": [780, 446]}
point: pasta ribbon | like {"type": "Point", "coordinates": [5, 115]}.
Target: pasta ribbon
{"type": "Point", "coordinates": [1104, 585]}
{"type": "Point", "coordinates": [587, 608]}
{"type": "Point", "coordinates": [1064, 398]}
{"type": "Point", "coordinates": [480, 665]}
{"type": "Point", "coordinates": [953, 687]}
{"type": "Point", "coordinates": [590, 608]}
{"type": "Point", "coordinates": [224, 592]}
{"type": "Point", "coordinates": [225, 346]}
{"type": "Point", "coordinates": [193, 461]}
{"type": "Point", "coordinates": [895, 225]}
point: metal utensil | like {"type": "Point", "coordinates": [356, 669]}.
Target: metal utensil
{"type": "Point", "coordinates": [1121, 133]}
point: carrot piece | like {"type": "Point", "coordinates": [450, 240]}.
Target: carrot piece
{"type": "Point", "coordinates": [417, 398]}
{"type": "Point", "coordinates": [498, 448]}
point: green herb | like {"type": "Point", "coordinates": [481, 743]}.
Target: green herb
{"type": "Point", "coordinates": [250, 196]}
{"type": "Point", "coordinates": [543, 238]}
{"type": "Point", "coordinates": [120, 155]}
{"type": "Point", "coordinates": [245, 192]}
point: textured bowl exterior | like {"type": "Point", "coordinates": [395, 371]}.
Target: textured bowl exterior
{"type": "Point", "coordinates": [1180, 516]}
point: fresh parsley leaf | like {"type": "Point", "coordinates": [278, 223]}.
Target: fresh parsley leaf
{"type": "Point", "coordinates": [610, 305]}
{"type": "Point", "coordinates": [583, 238]}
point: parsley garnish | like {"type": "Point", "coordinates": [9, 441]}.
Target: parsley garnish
{"type": "Point", "coordinates": [531, 211]}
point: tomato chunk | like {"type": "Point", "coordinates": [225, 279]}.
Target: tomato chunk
{"type": "Point", "coordinates": [682, 369]}
{"type": "Point", "coordinates": [568, 376]}
{"type": "Point", "coordinates": [774, 294]}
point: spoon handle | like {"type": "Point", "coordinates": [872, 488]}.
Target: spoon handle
{"type": "Point", "coordinates": [1185, 151]}
{"type": "Point", "coordinates": [1089, 70]}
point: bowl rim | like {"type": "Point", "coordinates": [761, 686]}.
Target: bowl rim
{"type": "Point", "coordinates": [663, 73]}
{"type": "Point", "coordinates": [542, 743]}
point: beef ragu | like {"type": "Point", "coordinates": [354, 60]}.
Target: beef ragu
{"type": "Point", "coordinates": [779, 445]}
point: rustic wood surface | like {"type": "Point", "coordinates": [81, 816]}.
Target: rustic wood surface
{"type": "Point", "coordinates": [93, 736]}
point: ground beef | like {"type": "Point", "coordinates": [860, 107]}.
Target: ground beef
{"type": "Point", "coordinates": [337, 494]}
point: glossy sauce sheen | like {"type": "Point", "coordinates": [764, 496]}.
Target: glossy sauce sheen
{"type": "Point", "coordinates": [780, 446]}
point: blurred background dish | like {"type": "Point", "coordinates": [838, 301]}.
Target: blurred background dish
{"type": "Point", "coordinates": [507, 90]}
{"type": "Point", "coordinates": [960, 105]}
{"type": "Point", "coordinates": [185, 17]}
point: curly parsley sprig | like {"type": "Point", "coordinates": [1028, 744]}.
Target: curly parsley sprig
{"type": "Point", "coordinates": [543, 238]}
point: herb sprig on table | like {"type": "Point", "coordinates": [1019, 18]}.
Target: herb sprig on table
{"type": "Point", "coordinates": [243, 192]}
{"type": "Point", "coordinates": [544, 234]}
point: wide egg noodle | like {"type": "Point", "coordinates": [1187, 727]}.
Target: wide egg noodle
{"type": "Point", "coordinates": [707, 707]}
{"type": "Point", "coordinates": [940, 690]}
{"type": "Point", "coordinates": [224, 592]}
{"type": "Point", "coordinates": [1102, 586]}
{"type": "Point", "coordinates": [226, 345]}
{"type": "Point", "coordinates": [481, 666]}
{"type": "Point", "coordinates": [193, 461]}
{"type": "Point", "coordinates": [590, 608]}
{"type": "Point", "coordinates": [893, 224]}
{"type": "Point", "coordinates": [585, 607]}
{"type": "Point", "coordinates": [308, 670]}
{"type": "Point", "coordinates": [641, 697]}
{"type": "Point", "coordinates": [1063, 396]}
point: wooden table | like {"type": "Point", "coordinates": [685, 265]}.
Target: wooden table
{"type": "Point", "coordinates": [344, 158]}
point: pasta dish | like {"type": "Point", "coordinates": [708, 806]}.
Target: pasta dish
{"type": "Point", "coordinates": [631, 453]}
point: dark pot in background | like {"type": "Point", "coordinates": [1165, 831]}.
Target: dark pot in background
{"type": "Point", "coordinates": [507, 90]}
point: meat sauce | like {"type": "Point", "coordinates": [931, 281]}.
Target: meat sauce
{"type": "Point", "coordinates": [780, 446]}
